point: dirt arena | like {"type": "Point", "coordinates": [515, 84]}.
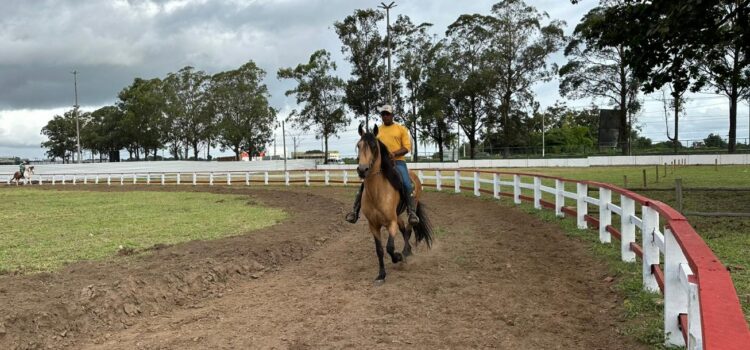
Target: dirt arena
{"type": "Point", "coordinates": [495, 278]}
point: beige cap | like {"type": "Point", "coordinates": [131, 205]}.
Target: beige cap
{"type": "Point", "coordinates": [385, 108]}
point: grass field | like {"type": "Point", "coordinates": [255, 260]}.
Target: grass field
{"type": "Point", "coordinates": [43, 230]}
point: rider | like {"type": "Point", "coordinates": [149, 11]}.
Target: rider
{"type": "Point", "coordinates": [22, 167]}
{"type": "Point", "coordinates": [396, 139]}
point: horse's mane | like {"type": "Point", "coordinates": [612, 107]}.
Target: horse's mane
{"type": "Point", "coordinates": [386, 164]}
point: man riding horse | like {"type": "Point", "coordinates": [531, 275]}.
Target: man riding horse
{"type": "Point", "coordinates": [22, 168]}
{"type": "Point", "coordinates": [396, 139]}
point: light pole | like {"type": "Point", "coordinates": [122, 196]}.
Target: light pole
{"type": "Point", "coordinates": [75, 114]}
{"type": "Point", "coordinates": [387, 9]}
{"type": "Point", "coordinates": [542, 135]}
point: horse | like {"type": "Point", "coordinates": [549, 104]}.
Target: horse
{"type": "Point", "coordinates": [383, 200]}
{"type": "Point", "coordinates": [26, 176]}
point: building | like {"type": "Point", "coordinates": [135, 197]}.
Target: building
{"type": "Point", "coordinates": [333, 156]}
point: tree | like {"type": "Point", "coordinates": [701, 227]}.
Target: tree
{"type": "Point", "coordinates": [142, 104]}
{"type": "Point", "coordinates": [714, 141]}
{"type": "Point", "coordinates": [320, 94]}
{"type": "Point", "coordinates": [661, 52]}
{"type": "Point", "coordinates": [439, 110]}
{"type": "Point", "coordinates": [727, 67]}
{"type": "Point", "coordinates": [61, 135]}
{"type": "Point", "coordinates": [364, 45]}
{"type": "Point", "coordinates": [412, 47]}
{"type": "Point", "coordinates": [241, 101]}
{"type": "Point", "coordinates": [188, 107]}
{"type": "Point", "coordinates": [600, 73]}
{"type": "Point", "coordinates": [470, 40]}
{"type": "Point", "coordinates": [522, 45]}
{"type": "Point", "coordinates": [106, 127]}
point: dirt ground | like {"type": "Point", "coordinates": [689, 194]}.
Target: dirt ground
{"type": "Point", "coordinates": [495, 278]}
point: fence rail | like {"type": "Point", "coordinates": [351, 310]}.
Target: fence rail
{"type": "Point", "coordinates": [701, 307]}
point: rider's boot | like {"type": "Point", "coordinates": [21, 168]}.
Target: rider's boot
{"type": "Point", "coordinates": [411, 208]}
{"type": "Point", "coordinates": [353, 216]}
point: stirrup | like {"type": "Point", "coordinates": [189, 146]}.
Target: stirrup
{"type": "Point", "coordinates": [352, 217]}
{"type": "Point", "coordinates": [413, 219]}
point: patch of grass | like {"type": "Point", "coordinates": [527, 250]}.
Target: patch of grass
{"type": "Point", "coordinates": [44, 230]}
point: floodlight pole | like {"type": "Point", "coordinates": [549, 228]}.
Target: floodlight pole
{"type": "Point", "coordinates": [542, 135]}
{"type": "Point", "coordinates": [387, 9]}
{"type": "Point", "coordinates": [283, 140]}
{"type": "Point", "coordinates": [75, 114]}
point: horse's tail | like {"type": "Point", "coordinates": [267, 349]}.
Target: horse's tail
{"type": "Point", "coordinates": [423, 230]}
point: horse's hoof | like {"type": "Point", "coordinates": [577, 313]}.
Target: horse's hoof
{"type": "Point", "coordinates": [397, 257]}
{"type": "Point", "coordinates": [378, 282]}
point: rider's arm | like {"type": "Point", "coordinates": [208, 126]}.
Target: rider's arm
{"type": "Point", "coordinates": [405, 144]}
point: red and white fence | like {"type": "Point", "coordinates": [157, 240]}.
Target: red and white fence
{"type": "Point", "coordinates": [701, 307]}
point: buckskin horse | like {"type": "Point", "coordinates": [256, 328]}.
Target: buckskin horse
{"type": "Point", "coordinates": [383, 200]}
{"type": "Point", "coordinates": [26, 176]}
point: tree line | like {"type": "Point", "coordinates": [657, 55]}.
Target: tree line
{"type": "Point", "coordinates": [477, 78]}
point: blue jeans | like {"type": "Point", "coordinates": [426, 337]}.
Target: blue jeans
{"type": "Point", "coordinates": [401, 168]}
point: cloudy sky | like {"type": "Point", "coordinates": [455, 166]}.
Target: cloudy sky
{"type": "Point", "coordinates": [110, 42]}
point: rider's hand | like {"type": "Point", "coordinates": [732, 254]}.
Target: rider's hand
{"type": "Point", "coordinates": [392, 155]}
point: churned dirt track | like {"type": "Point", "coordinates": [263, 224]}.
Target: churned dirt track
{"type": "Point", "coordinates": [495, 278]}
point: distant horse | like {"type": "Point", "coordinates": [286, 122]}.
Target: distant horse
{"type": "Point", "coordinates": [383, 200]}
{"type": "Point", "coordinates": [26, 176]}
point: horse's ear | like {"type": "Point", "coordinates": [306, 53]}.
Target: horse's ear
{"type": "Point", "coordinates": [375, 130]}
{"type": "Point", "coordinates": [361, 130]}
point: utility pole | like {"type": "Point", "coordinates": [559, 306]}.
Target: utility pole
{"type": "Point", "coordinates": [542, 135]}
{"type": "Point", "coordinates": [283, 140]}
{"type": "Point", "coordinates": [75, 114]}
{"type": "Point", "coordinates": [387, 9]}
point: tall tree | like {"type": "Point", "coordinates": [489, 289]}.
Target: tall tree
{"type": "Point", "coordinates": [241, 101]}
{"type": "Point", "coordinates": [469, 45]}
{"type": "Point", "coordinates": [440, 109]}
{"type": "Point", "coordinates": [142, 104]}
{"type": "Point", "coordinates": [187, 104]}
{"type": "Point", "coordinates": [320, 93]}
{"type": "Point", "coordinates": [364, 46]}
{"type": "Point", "coordinates": [522, 43]}
{"type": "Point", "coordinates": [107, 127]}
{"type": "Point", "coordinates": [661, 52]}
{"type": "Point", "coordinates": [61, 136]}
{"type": "Point", "coordinates": [600, 73]}
{"type": "Point", "coordinates": [412, 46]}
{"type": "Point", "coordinates": [727, 66]}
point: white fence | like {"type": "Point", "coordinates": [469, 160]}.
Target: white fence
{"type": "Point", "coordinates": [701, 307]}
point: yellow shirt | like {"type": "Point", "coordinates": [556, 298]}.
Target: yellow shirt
{"type": "Point", "coordinates": [395, 137]}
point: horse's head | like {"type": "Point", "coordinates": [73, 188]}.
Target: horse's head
{"type": "Point", "coordinates": [368, 151]}
{"type": "Point", "coordinates": [31, 169]}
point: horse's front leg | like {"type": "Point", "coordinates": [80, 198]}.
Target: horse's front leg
{"type": "Point", "coordinates": [390, 247]}
{"type": "Point", "coordinates": [375, 230]}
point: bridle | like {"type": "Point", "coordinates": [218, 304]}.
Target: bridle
{"type": "Point", "coordinates": [372, 162]}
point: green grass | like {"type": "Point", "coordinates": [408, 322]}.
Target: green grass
{"type": "Point", "coordinates": [43, 230]}
{"type": "Point", "coordinates": [692, 176]}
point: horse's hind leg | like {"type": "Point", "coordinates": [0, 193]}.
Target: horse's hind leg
{"type": "Point", "coordinates": [406, 232]}
{"type": "Point", "coordinates": [390, 247]}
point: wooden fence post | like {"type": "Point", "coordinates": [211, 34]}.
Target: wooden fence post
{"type": "Point", "coordinates": [716, 164]}
{"type": "Point", "coordinates": [559, 198]}
{"type": "Point", "coordinates": [516, 189]}
{"type": "Point", "coordinates": [657, 174]}
{"type": "Point", "coordinates": [496, 185]}
{"type": "Point", "coordinates": [627, 228]}
{"type": "Point", "coordinates": [605, 214]}
{"type": "Point", "coordinates": [625, 181]}
{"type": "Point", "coordinates": [476, 184]}
{"type": "Point", "coordinates": [537, 192]}
{"type": "Point", "coordinates": [457, 181]}
{"type": "Point", "coordinates": [247, 178]}
{"type": "Point", "coordinates": [645, 184]}
{"type": "Point", "coordinates": [650, 222]}
{"type": "Point", "coordinates": [438, 181]}
{"type": "Point", "coordinates": [582, 207]}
